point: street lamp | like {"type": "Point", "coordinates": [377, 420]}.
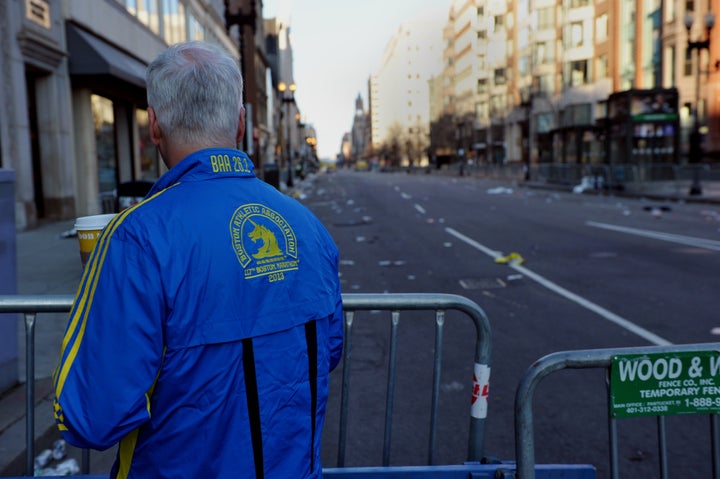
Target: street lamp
{"type": "Point", "coordinates": [526, 102]}
{"type": "Point", "coordinates": [284, 88]}
{"type": "Point", "coordinates": [460, 139]}
{"type": "Point", "coordinates": [695, 150]}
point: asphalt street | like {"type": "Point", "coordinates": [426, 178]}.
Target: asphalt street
{"type": "Point", "coordinates": [49, 263]}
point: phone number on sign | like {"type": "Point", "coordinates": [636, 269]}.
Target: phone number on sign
{"type": "Point", "coordinates": [703, 402]}
{"type": "Point", "coordinates": [644, 409]}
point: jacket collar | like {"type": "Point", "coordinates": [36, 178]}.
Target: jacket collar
{"type": "Point", "coordinates": [204, 164]}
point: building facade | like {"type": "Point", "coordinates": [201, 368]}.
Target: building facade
{"type": "Point", "coordinates": [528, 81]}
{"type": "Point", "coordinates": [290, 144]}
{"type": "Point", "coordinates": [74, 122]}
{"type": "Point", "coordinates": [400, 93]}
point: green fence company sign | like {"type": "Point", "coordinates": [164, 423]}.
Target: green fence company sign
{"type": "Point", "coordinates": [665, 383]}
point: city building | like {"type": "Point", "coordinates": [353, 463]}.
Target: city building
{"type": "Point", "coordinates": [399, 91]}
{"type": "Point", "coordinates": [243, 22]}
{"type": "Point", "coordinates": [360, 133]}
{"type": "Point", "coordinates": [289, 125]}
{"type": "Point", "coordinates": [73, 108]}
{"type": "Point", "coordinates": [528, 82]}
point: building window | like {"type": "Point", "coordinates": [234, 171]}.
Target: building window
{"type": "Point", "coordinates": [547, 84]}
{"type": "Point", "coordinates": [669, 64]}
{"type": "Point", "coordinates": [575, 35]}
{"type": "Point", "coordinates": [544, 53]}
{"type": "Point", "coordinates": [499, 76]}
{"type": "Point", "coordinates": [497, 106]}
{"type": "Point", "coordinates": [576, 73]}
{"type": "Point", "coordinates": [579, 3]}
{"type": "Point", "coordinates": [524, 65]}
{"type": "Point", "coordinates": [197, 32]}
{"type": "Point", "coordinates": [482, 85]}
{"type": "Point", "coordinates": [481, 110]}
{"type": "Point", "coordinates": [601, 27]}
{"type": "Point", "coordinates": [146, 11]}
{"type": "Point", "coordinates": [546, 18]}
{"type": "Point", "coordinates": [149, 161]}
{"type": "Point", "coordinates": [174, 21]}
{"type": "Point", "coordinates": [498, 22]}
{"type": "Point", "coordinates": [601, 67]}
{"type": "Point", "coordinates": [688, 65]}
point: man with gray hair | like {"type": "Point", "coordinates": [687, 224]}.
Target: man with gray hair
{"type": "Point", "coordinates": [209, 315]}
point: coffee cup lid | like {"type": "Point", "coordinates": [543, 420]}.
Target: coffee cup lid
{"type": "Point", "coordinates": [93, 222]}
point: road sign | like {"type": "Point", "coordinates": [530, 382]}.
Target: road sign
{"type": "Point", "coordinates": [665, 383]}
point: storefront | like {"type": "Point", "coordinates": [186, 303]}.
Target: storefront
{"type": "Point", "coordinates": [73, 105]}
{"type": "Point", "coordinates": [108, 90]}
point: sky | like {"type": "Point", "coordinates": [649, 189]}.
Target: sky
{"type": "Point", "coordinates": [337, 45]}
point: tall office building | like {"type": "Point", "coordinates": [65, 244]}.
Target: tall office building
{"type": "Point", "coordinates": [400, 99]}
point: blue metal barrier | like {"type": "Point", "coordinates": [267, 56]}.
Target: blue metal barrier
{"type": "Point", "coordinates": [30, 306]}
{"type": "Point", "coordinates": [467, 471]}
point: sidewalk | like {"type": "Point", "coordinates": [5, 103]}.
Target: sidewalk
{"type": "Point", "coordinates": [657, 190]}
{"type": "Point", "coordinates": [48, 263]}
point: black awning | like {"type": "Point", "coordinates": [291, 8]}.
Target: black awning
{"type": "Point", "coordinates": [92, 56]}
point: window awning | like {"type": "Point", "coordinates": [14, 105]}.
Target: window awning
{"type": "Point", "coordinates": [92, 56]}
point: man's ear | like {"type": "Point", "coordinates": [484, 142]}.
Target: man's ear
{"type": "Point", "coordinates": [155, 131]}
{"type": "Point", "coordinates": [241, 126]}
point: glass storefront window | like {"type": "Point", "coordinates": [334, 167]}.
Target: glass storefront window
{"type": "Point", "coordinates": [104, 120]}
{"type": "Point", "coordinates": [149, 167]}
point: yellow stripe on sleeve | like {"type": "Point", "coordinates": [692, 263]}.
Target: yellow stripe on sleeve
{"type": "Point", "coordinates": [81, 308]}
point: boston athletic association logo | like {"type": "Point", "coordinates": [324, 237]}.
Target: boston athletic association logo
{"type": "Point", "coordinates": [264, 242]}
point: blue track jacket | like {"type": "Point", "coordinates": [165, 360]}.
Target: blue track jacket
{"type": "Point", "coordinates": [204, 329]}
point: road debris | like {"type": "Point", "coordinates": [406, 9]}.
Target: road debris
{"type": "Point", "coordinates": [500, 190]}
{"type": "Point", "coordinates": [511, 259]}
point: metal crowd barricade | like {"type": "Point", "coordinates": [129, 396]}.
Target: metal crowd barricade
{"type": "Point", "coordinates": [31, 305]}
{"type": "Point", "coordinates": [413, 301]}
{"type": "Point", "coordinates": [593, 358]}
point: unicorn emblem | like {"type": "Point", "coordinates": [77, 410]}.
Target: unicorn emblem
{"type": "Point", "coordinates": [269, 247]}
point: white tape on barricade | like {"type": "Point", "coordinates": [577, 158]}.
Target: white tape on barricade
{"type": "Point", "coordinates": [481, 389]}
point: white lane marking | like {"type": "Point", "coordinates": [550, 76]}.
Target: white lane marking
{"type": "Point", "coordinates": [420, 209]}
{"type": "Point", "coordinates": [490, 252]}
{"type": "Point", "coordinates": [610, 316]}
{"type": "Point", "coordinates": [681, 239]}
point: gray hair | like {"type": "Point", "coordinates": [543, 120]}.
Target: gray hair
{"type": "Point", "coordinates": [196, 89]}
